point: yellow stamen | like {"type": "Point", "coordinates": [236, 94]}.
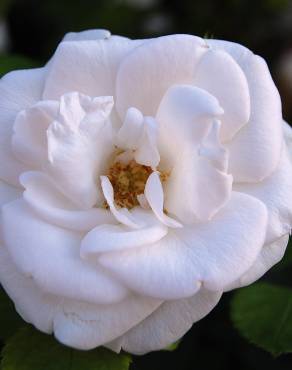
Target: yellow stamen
{"type": "Point", "coordinates": [128, 181]}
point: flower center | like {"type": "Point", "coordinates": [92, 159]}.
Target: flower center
{"type": "Point", "coordinates": [128, 181]}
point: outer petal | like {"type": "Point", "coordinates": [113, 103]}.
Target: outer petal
{"type": "Point", "coordinates": [168, 323]}
{"type": "Point", "coordinates": [50, 255]}
{"type": "Point", "coordinates": [86, 326]}
{"type": "Point", "coordinates": [33, 305]}
{"type": "Point", "coordinates": [77, 324]}
{"type": "Point", "coordinates": [96, 34]}
{"type": "Point", "coordinates": [268, 257]}
{"type": "Point", "coordinates": [18, 90]}
{"type": "Point", "coordinates": [79, 146]}
{"type": "Point", "coordinates": [256, 149]}
{"type": "Point", "coordinates": [178, 56]}
{"type": "Point", "coordinates": [51, 205]}
{"type": "Point", "coordinates": [213, 253]}
{"type": "Point", "coordinates": [276, 193]}
{"type": "Point", "coordinates": [221, 76]}
{"type": "Point", "coordinates": [88, 66]}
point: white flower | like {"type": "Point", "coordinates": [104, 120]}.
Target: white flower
{"type": "Point", "coordinates": [140, 180]}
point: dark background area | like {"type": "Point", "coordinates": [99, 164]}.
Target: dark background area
{"type": "Point", "coordinates": [34, 28]}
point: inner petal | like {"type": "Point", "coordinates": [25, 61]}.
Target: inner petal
{"type": "Point", "coordinates": [199, 184]}
{"type": "Point", "coordinates": [79, 146]}
{"type": "Point", "coordinates": [29, 140]}
{"type": "Point", "coordinates": [139, 134]}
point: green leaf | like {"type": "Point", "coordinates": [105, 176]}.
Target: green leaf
{"type": "Point", "coordinates": [173, 346]}
{"type": "Point", "coordinates": [10, 321]}
{"type": "Point", "coordinates": [262, 313]}
{"type": "Point", "coordinates": [10, 62]}
{"type": "Point", "coordinates": [29, 349]}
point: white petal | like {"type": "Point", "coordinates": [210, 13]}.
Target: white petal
{"type": "Point", "coordinates": [105, 238]}
{"type": "Point", "coordinates": [221, 76]}
{"type": "Point", "coordinates": [131, 131]}
{"type": "Point", "coordinates": [154, 270]}
{"type": "Point", "coordinates": [276, 193]}
{"type": "Point", "coordinates": [18, 90]}
{"type": "Point", "coordinates": [79, 145]}
{"type": "Point", "coordinates": [168, 323]}
{"type": "Point", "coordinates": [33, 305]}
{"type": "Point", "coordinates": [212, 148]}
{"type": "Point", "coordinates": [89, 66]}
{"type": "Point", "coordinates": [122, 215]}
{"type": "Point", "coordinates": [45, 199]}
{"type": "Point", "coordinates": [268, 257]}
{"type": "Point", "coordinates": [213, 254]}
{"type": "Point", "coordinates": [98, 34]}
{"type": "Point", "coordinates": [77, 324]}
{"type": "Point", "coordinates": [196, 189]}
{"type": "Point", "coordinates": [256, 149]}
{"type": "Point", "coordinates": [114, 345]}
{"type": "Point", "coordinates": [237, 51]}
{"type": "Point", "coordinates": [81, 111]}
{"type": "Point", "coordinates": [147, 152]}
{"type": "Point", "coordinates": [143, 201]}
{"type": "Point", "coordinates": [154, 195]}
{"type": "Point", "coordinates": [85, 326]}
{"type": "Point", "coordinates": [184, 116]}
{"type": "Point", "coordinates": [154, 67]}
{"type": "Point", "coordinates": [8, 193]}
{"type": "Point", "coordinates": [51, 256]}
{"type": "Point", "coordinates": [29, 141]}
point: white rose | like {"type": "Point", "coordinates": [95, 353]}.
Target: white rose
{"type": "Point", "coordinates": [141, 179]}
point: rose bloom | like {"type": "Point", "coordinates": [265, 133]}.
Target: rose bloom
{"type": "Point", "coordinates": [140, 180]}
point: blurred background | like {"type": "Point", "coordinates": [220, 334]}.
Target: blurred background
{"type": "Point", "coordinates": [29, 33]}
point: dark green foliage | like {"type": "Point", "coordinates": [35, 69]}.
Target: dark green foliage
{"type": "Point", "coordinates": [262, 313]}
{"type": "Point", "coordinates": [29, 349]}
